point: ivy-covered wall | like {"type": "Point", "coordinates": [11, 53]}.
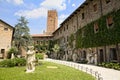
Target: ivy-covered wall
{"type": "Point", "coordinates": [104, 36]}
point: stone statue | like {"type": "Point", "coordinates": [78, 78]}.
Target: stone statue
{"type": "Point", "coordinates": [12, 56]}
{"type": "Point", "coordinates": [90, 56]}
{"type": "Point", "coordinates": [30, 65]}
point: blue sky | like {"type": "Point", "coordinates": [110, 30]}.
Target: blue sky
{"type": "Point", "coordinates": [35, 11]}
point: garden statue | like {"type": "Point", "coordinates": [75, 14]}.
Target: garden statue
{"type": "Point", "coordinates": [30, 65]}
{"type": "Point", "coordinates": [12, 56]}
{"type": "Point", "coordinates": [92, 57]}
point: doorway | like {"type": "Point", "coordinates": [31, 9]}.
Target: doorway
{"type": "Point", "coordinates": [101, 55]}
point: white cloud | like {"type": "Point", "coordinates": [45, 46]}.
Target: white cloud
{"type": "Point", "coordinates": [57, 4]}
{"type": "Point", "coordinates": [41, 11]}
{"type": "Point", "coordinates": [35, 13]}
{"type": "Point", "coordinates": [16, 2]}
{"type": "Point", "coordinates": [69, 1]}
{"type": "Point", "coordinates": [73, 5]}
{"type": "Point", "coordinates": [61, 18]}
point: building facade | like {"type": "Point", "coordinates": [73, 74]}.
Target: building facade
{"type": "Point", "coordinates": [6, 35]}
{"type": "Point", "coordinates": [91, 32]}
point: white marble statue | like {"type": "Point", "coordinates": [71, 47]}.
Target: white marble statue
{"type": "Point", "coordinates": [12, 56]}
{"type": "Point", "coordinates": [30, 65]}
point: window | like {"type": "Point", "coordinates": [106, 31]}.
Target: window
{"type": "Point", "coordinates": [109, 21]}
{"type": "Point", "coordinates": [2, 50]}
{"type": "Point", "coordinates": [6, 29]}
{"type": "Point", "coordinates": [51, 21]}
{"type": "Point", "coordinates": [107, 1]}
{"type": "Point", "coordinates": [84, 54]}
{"type": "Point", "coordinates": [46, 42]}
{"type": "Point", "coordinates": [95, 7]}
{"type": "Point", "coordinates": [83, 15]}
{"type": "Point", "coordinates": [67, 27]}
{"type": "Point", "coordinates": [67, 38]}
{"type": "Point", "coordinates": [64, 28]}
{"type": "Point", "coordinates": [49, 15]}
{"type": "Point", "coordinates": [61, 31]}
{"type": "Point", "coordinates": [64, 40]}
{"type": "Point", "coordinates": [113, 54]}
{"type": "Point", "coordinates": [37, 42]}
{"type": "Point", "coordinates": [96, 28]}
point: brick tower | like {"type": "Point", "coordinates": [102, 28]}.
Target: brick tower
{"type": "Point", "coordinates": [52, 21]}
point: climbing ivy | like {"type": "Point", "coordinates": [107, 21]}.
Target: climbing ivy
{"type": "Point", "coordinates": [70, 41]}
{"type": "Point", "coordinates": [105, 35]}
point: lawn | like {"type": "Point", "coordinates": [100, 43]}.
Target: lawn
{"type": "Point", "coordinates": [44, 72]}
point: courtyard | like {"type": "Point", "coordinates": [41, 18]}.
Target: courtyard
{"type": "Point", "coordinates": [59, 40]}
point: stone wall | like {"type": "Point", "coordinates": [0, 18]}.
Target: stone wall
{"type": "Point", "coordinates": [6, 32]}
{"type": "Point", "coordinates": [88, 12]}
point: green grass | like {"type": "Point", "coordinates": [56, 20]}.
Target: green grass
{"type": "Point", "coordinates": [44, 73]}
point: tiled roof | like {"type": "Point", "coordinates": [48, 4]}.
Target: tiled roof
{"type": "Point", "coordinates": [41, 35]}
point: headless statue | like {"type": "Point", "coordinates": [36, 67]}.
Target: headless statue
{"type": "Point", "coordinates": [30, 66]}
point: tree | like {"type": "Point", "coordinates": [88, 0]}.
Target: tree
{"type": "Point", "coordinates": [22, 37]}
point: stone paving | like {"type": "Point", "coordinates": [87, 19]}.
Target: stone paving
{"type": "Point", "coordinates": [99, 72]}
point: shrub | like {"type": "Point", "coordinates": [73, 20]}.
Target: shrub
{"type": "Point", "coordinates": [116, 66]}
{"type": "Point", "coordinates": [39, 56]}
{"type": "Point", "coordinates": [110, 65]}
{"type": "Point", "coordinates": [19, 61]}
{"type": "Point", "coordinates": [12, 50]}
{"type": "Point", "coordinates": [13, 62]}
{"type": "Point", "coordinates": [7, 63]}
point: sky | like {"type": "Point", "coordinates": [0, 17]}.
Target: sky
{"type": "Point", "coordinates": [35, 11]}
